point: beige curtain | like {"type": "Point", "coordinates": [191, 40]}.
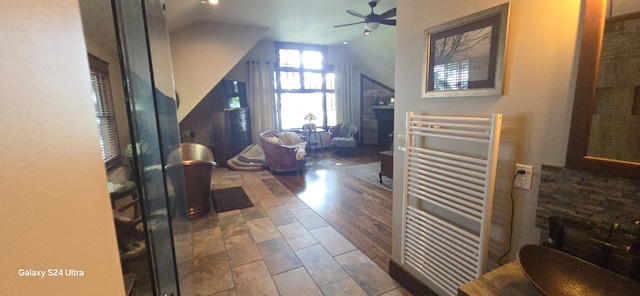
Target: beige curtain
{"type": "Point", "coordinates": [261, 98]}
{"type": "Point", "coordinates": [344, 93]}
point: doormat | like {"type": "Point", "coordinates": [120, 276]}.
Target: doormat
{"type": "Point", "coordinates": [229, 199]}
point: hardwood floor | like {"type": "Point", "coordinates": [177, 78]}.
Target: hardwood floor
{"type": "Point", "coordinates": [357, 209]}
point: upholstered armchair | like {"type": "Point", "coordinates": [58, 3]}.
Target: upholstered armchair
{"type": "Point", "coordinates": [343, 137]}
{"type": "Point", "coordinates": [283, 151]}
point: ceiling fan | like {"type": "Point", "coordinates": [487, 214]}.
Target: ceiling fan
{"type": "Point", "coordinates": [372, 21]}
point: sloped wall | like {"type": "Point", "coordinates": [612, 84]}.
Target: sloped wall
{"type": "Point", "coordinates": [375, 55]}
{"type": "Point", "coordinates": [203, 53]}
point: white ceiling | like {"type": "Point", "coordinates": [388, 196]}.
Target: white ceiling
{"type": "Point", "coordinates": [304, 21]}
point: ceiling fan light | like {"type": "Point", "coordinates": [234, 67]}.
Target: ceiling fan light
{"type": "Point", "coordinates": [371, 25]}
{"type": "Point", "coordinates": [366, 32]}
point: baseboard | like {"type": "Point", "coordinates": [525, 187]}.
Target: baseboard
{"type": "Point", "coordinates": [408, 281]}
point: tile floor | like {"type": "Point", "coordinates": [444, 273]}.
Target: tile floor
{"type": "Point", "coordinates": [277, 247]}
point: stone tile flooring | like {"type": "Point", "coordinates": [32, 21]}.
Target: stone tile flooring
{"type": "Point", "coordinates": [277, 247]}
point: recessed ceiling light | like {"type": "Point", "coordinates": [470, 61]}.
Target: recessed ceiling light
{"type": "Point", "coordinates": [209, 1]}
{"type": "Point", "coordinates": [345, 43]}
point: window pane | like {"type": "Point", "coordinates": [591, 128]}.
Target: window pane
{"type": "Point", "coordinates": [312, 60]}
{"type": "Point", "coordinates": [105, 117]}
{"type": "Point", "coordinates": [451, 76]}
{"type": "Point", "coordinates": [301, 70]}
{"type": "Point", "coordinates": [294, 107]}
{"type": "Point", "coordinates": [290, 80]}
{"type": "Point", "coordinates": [103, 137]}
{"type": "Point", "coordinates": [289, 58]}
{"type": "Point", "coordinates": [331, 81]}
{"type": "Point", "coordinates": [331, 109]}
{"type": "Point", "coordinates": [312, 80]}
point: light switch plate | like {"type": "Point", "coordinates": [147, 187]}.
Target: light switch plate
{"type": "Point", "coordinates": [402, 143]}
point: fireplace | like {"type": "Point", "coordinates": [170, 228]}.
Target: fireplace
{"type": "Point", "coordinates": [376, 113]}
{"type": "Point", "coordinates": [384, 116]}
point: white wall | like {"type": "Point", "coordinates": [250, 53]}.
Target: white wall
{"type": "Point", "coordinates": [54, 204]}
{"type": "Point", "coordinates": [263, 51]}
{"type": "Point", "coordinates": [203, 53]}
{"type": "Point", "coordinates": [538, 94]}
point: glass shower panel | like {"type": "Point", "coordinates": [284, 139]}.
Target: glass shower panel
{"type": "Point", "coordinates": [166, 110]}
{"type": "Point", "coordinates": [147, 106]}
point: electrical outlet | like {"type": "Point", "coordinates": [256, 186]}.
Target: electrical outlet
{"type": "Point", "coordinates": [402, 142]}
{"type": "Point", "coordinates": [523, 180]}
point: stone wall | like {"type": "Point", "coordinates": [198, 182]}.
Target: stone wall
{"type": "Point", "coordinates": [600, 200]}
{"type": "Point", "coordinates": [373, 93]}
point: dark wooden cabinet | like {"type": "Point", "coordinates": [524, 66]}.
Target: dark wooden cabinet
{"type": "Point", "coordinates": [228, 94]}
{"type": "Point", "coordinates": [386, 165]}
{"type": "Point", "coordinates": [231, 133]}
{"type": "Point", "coordinates": [230, 120]}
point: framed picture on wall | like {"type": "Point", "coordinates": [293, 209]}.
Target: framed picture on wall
{"type": "Point", "coordinates": [465, 57]}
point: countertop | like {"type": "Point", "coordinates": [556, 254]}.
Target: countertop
{"type": "Point", "coordinates": [505, 280]}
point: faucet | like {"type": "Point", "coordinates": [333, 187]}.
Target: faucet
{"type": "Point", "coordinates": [607, 247]}
{"type": "Point", "coordinates": [557, 226]}
{"type": "Point", "coordinates": [634, 251]}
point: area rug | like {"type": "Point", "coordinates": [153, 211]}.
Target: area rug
{"type": "Point", "coordinates": [229, 199]}
{"type": "Point", "coordinates": [369, 172]}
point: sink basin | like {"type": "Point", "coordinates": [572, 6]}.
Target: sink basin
{"type": "Point", "coordinates": [557, 273]}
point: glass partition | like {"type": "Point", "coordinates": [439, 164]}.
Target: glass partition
{"type": "Point", "coordinates": [153, 127]}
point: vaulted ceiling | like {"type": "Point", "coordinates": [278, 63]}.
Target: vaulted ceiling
{"type": "Point", "coordinates": [301, 21]}
{"type": "Point", "coordinates": [304, 21]}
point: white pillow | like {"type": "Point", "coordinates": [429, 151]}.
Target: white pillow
{"type": "Point", "coordinates": [274, 140]}
{"type": "Point", "coordinates": [289, 138]}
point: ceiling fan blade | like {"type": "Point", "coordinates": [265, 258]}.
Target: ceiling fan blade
{"type": "Point", "coordinates": [389, 13]}
{"type": "Point", "coordinates": [355, 13]}
{"type": "Point", "coordinates": [388, 22]}
{"type": "Point", "coordinates": [338, 26]}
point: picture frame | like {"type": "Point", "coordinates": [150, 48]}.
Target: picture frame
{"type": "Point", "coordinates": [465, 57]}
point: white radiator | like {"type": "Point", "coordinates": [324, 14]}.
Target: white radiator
{"type": "Point", "coordinates": [450, 170]}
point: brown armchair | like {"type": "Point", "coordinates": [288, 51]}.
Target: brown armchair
{"type": "Point", "coordinates": [283, 151]}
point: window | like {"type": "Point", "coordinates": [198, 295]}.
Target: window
{"type": "Point", "coordinates": [451, 76]}
{"type": "Point", "coordinates": [105, 115]}
{"type": "Point", "coordinates": [304, 85]}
